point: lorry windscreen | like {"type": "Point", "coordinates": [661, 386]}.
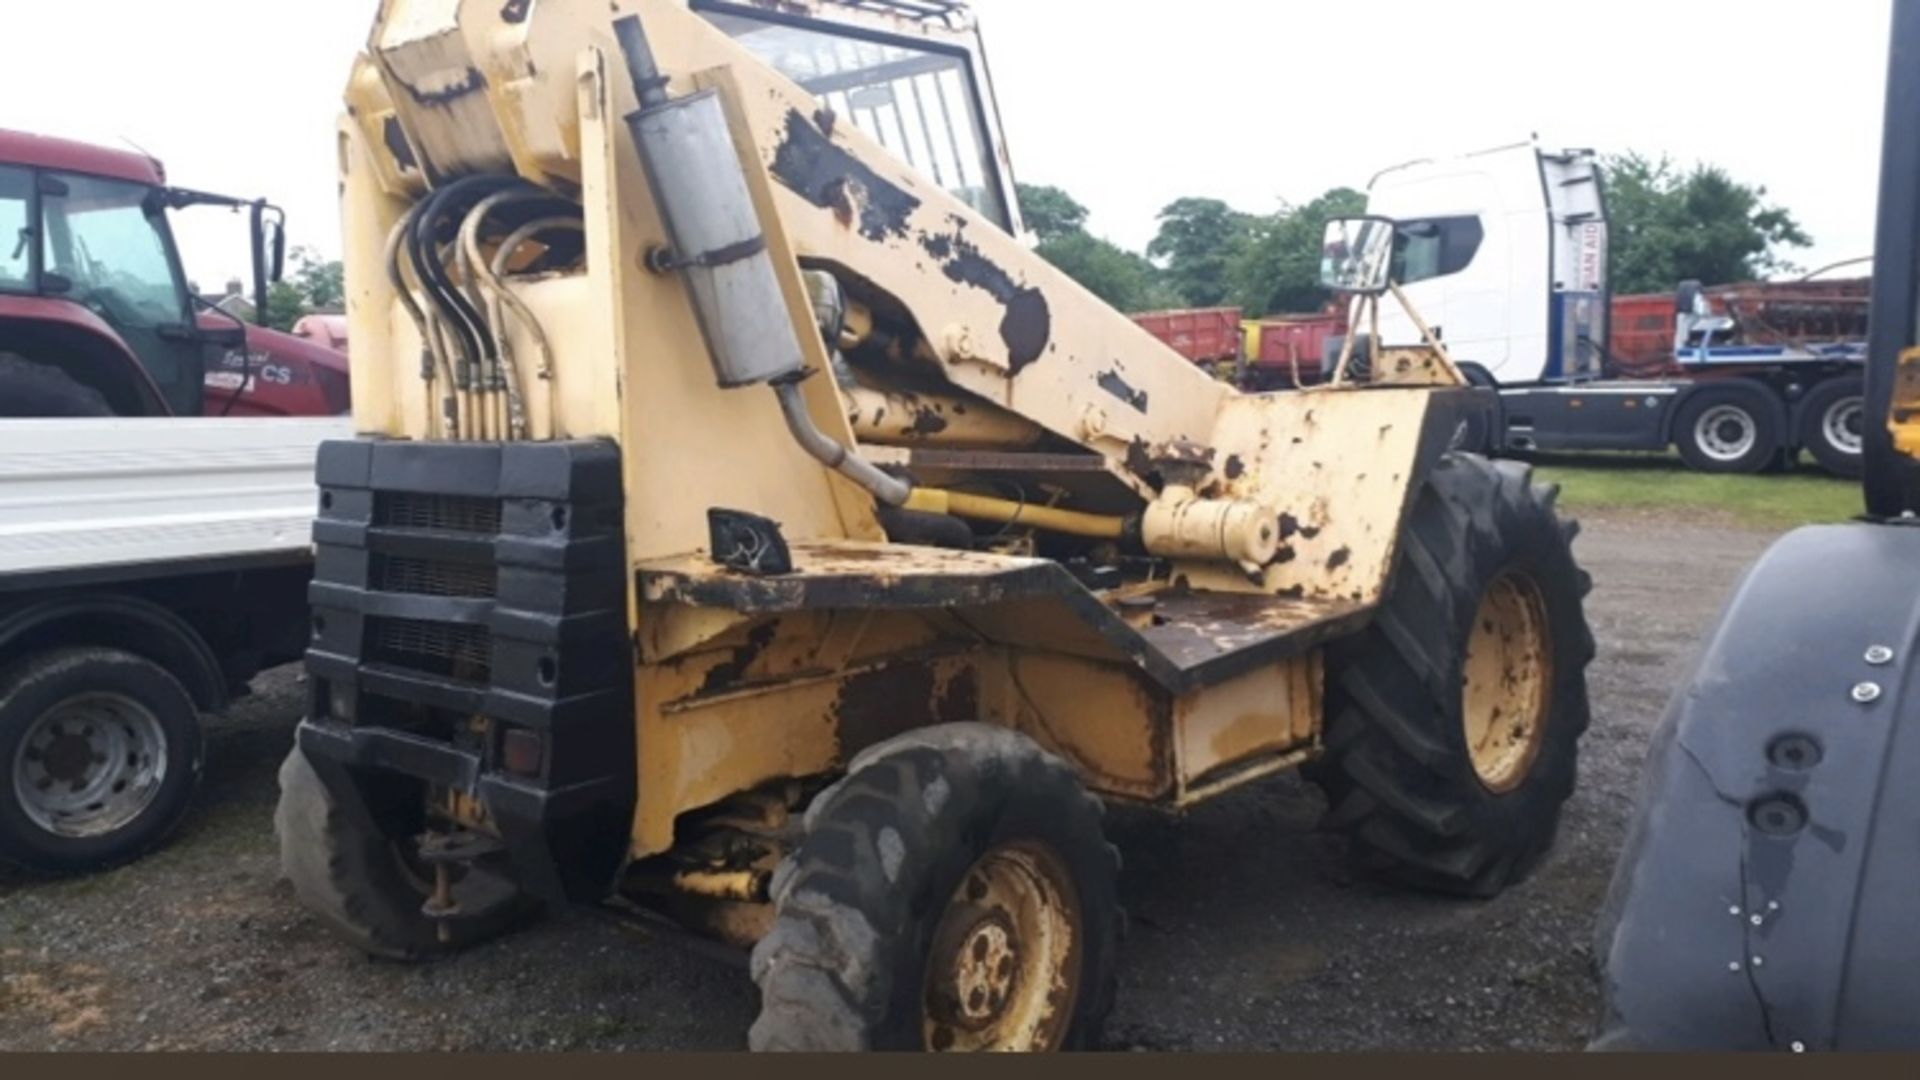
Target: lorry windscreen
{"type": "Point", "coordinates": [915, 99]}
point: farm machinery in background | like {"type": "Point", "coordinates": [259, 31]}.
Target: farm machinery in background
{"type": "Point", "coordinates": [156, 497]}
{"type": "Point", "coordinates": [1507, 253]}
{"type": "Point", "coordinates": [96, 314]}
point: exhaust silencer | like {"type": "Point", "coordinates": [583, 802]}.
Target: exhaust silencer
{"type": "Point", "coordinates": [720, 249]}
{"type": "Point", "coordinates": [718, 244]}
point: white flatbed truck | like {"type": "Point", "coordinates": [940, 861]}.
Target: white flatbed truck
{"type": "Point", "coordinates": [149, 569]}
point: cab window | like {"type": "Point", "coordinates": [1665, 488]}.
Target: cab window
{"type": "Point", "coordinates": [918, 101]}
{"type": "Point", "coordinates": [107, 248]}
{"type": "Point", "coordinates": [1435, 247]}
{"type": "Point", "coordinates": [16, 230]}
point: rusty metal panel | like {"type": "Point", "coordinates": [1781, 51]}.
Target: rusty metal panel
{"type": "Point", "coordinates": [1228, 734]}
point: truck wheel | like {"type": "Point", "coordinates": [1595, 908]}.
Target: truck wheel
{"type": "Point", "coordinates": [370, 888]}
{"type": "Point", "coordinates": [1728, 429]}
{"type": "Point", "coordinates": [1834, 426]}
{"type": "Point", "coordinates": [102, 753]}
{"type": "Point", "coordinates": [955, 892]}
{"type": "Point", "coordinates": [1454, 720]}
{"type": "Point", "coordinates": [29, 390]}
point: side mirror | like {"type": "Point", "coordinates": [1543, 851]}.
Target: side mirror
{"type": "Point", "coordinates": [269, 254]}
{"type": "Point", "coordinates": [1357, 256]}
{"type": "Point", "coordinates": [276, 247]}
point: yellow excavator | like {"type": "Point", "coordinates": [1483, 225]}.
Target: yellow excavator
{"type": "Point", "coordinates": [748, 532]}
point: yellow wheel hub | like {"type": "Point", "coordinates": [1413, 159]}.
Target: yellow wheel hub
{"type": "Point", "coordinates": [1505, 688]}
{"type": "Point", "coordinates": [1005, 968]}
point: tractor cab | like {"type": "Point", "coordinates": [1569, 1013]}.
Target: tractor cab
{"type": "Point", "coordinates": [92, 285]}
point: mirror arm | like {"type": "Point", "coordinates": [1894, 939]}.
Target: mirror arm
{"type": "Point", "coordinates": [1426, 332]}
{"type": "Point", "coordinates": [259, 264]}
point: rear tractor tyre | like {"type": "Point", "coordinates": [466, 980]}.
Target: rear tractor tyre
{"type": "Point", "coordinates": [31, 390]}
{"type": "Point", "coordinates": [1454, 720]}
{"type": "Point", "coordinates": [954, 892]}
{"type": "Point", "coordinates": [372, 889]}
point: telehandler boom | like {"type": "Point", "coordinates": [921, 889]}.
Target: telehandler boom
{"type": "Point", "coordinates": [747, 528]}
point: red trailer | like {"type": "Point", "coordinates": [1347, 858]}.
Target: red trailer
{"type": "Point", "coordinates": [1202, 335]}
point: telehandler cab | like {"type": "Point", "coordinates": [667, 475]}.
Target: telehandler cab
{"type": "Point", "coordinates": [747, 529]}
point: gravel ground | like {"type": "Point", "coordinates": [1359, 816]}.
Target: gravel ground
{"type": "Point", "coordinates": [1248, 933]}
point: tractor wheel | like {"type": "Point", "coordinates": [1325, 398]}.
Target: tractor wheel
{"type": "Point", "coordinates": [102, 755]}
{"type": "Point", "coordinates": [371, 889]}
{"type": "Point", "coordinates": [955, 892]}
{"type": "Point", "coordinates": [1454, 720]}
{"type": "Point", "coordinates": [1834, 427]}
{"type": "Point", "coordinates": [29, 390]}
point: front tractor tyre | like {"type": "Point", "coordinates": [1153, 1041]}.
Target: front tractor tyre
{"type": "Point", "coordinates": [954, 892]}
{"type": "Point", "coordinates": [1454, 720]}
{"type": "Point", "coordinates": [371, 888]}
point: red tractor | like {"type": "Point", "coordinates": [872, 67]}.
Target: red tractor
{"type": "Point", "coordinates": [96, 316]}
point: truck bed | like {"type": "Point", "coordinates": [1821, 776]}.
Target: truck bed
{"type": "Point", "coordinates": [120, 496]}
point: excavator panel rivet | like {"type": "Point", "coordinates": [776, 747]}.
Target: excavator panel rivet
{"type": "Point", "coordinates": [1734, 968]}
{"type": "Point", "coordinates": [1879, 656]}
{"type": "Point", "coordinates": [1759, 961]}
{"type": "Point", "coordinates": [1734, 911]}
{"type": "Point", "coordinates": [1758, 920]}
{"type": "Point", "coordinates": [1866, 693]}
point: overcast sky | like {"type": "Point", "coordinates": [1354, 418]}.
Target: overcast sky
{"type": "Point", "coordinates": [1128, 104]}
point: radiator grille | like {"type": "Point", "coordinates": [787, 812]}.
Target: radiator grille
{"type": "Point", "coordinates": [434, 577]}
{"type": "Point", "coordinates": [452, 649]}
{"type": "Point", "coordinates": [449, 513]}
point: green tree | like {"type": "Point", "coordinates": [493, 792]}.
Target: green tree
{"type": "Point", "coordinates": [315, 284]}
{"type": "Point", "coordinates": [1050, 212]}
{"type": "Point", "coordinates": [1279, 271]}
{"type": "Point", "coordinates": [1671, 225]}
{"type": "Point", "coordinates": [286, 305]}
{"type": "Point", "coordinates": [1122, 278]}
{"type": "Point", "coordinates": [1199, 240]}
{"type": "Point", "coordinates": [323, 282]}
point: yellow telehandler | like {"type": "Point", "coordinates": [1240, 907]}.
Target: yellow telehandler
{"type": "Point", "coordinates": [748, 531]}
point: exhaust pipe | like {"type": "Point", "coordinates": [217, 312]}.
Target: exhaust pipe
{"type": "Point", "coordinates": [720, 249]}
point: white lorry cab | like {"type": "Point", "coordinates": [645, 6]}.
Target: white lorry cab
{"type": "Point", "coordinates": [1506, 254]}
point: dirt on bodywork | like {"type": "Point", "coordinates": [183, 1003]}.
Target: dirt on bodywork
{"type": "Point", "coordinates": [1248, 930]}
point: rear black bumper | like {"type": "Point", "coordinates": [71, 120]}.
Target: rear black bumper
{"type": "Point", "coordinates": [456, 581]}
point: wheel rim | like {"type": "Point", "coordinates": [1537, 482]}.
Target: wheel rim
{"type": "Point", "coordinates": [1843, 424]}
{"type": "Point", "coordinates": [90, 765]}
{"type": "Point", "coordinates": [1509, 668]}
{"type": "Point", "coordinates": [1726, 433]}
{"type": "Point", "coordinates": [1005, 969]}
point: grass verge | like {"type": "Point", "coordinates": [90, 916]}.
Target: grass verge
{"type": "Point", "coordinates": [1805, 496]}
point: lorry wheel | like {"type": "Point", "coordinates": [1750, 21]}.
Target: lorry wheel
{"type": "Point", "coordinates": [1454, 720]}
{"type": "Point", "coordinates": [371, 888]}
{"type": "Point", "coordinates": [28, 390]}
{"type": "Point", "coordinates": [955, 892]}
{"type": "Point", "coordinates": [1834, 426]}
{"type": "Point", "coordinates": [102, 754]}
{"type": "Point", "coordinates": [1728, 429]}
